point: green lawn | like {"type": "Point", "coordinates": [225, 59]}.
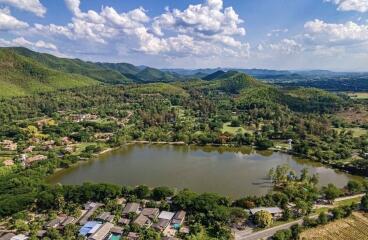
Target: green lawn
{"type": "Point", "coordinates": [348, 202]}
{"type": "Point", "coordinates": [233, 130]}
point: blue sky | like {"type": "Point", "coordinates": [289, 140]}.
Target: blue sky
{"type": "Point", "coordinates": [274, 34]}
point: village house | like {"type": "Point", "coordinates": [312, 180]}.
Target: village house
{"type": "Point", "coordinates": [124, 221]}
{"type": "Point", "coordinates": [90, 208]}
{"type": "Point", "coordinates": [29, 161]}
{"type": "Point", "coordinates": [151, 213]}
{"type": "Point", "coordinates": [9, 145]}
{"type": "Point", "coordinates": [66, 141]}
{"type": "Point", "coordinates": [142, 221]}
{"type": "Point", "coordinates": [178, 218]}
{"type": "Point", "coordinates": [7, 236]}
{"type": "Point", "coordinates": [103, 137]}
{"type": "Point", "coordinates": [82, 117]}
{"type": "Point", "coordinates": [8, 163]}
{"type": "Point", "coordinates": [164, 220]}
{"type": "Point", "coordinates": [102, 232]}
{"type": "Point", "coordinates": [69, 149]}
{"type": "Point", "coordinates": [133, 236]}
{"type": "Point", "coordinates": [276, 212]}
{"type": "Point", "coordinates": [44, 122]}
{"type": "Point", "coordinates": [131, 208]}
{"type": "Point", "coordinates": [29, 149]}
{"type": "Point", "coordinates": [55, 223]}
{"type": "Point", "coordinates": [105, 217]}
{"type": "Point", "coordinates": [20, 237]}
{"type": "Point", "coordinates": [89, 228]}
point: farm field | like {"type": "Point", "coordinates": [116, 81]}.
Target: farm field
{"type": "Point", "coordinates": [234, 130]}
{"type": "Point", "coordinates": [352, 228]}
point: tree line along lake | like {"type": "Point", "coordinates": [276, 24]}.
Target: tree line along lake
{"type": "Point", "coordinates": [233, 172]}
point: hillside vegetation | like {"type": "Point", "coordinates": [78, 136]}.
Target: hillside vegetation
{"type": "Point", "coordinates": [21, 76]}
{"type": "Point", "coordinates": [112, 73]}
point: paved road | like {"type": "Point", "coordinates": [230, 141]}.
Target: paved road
{"type": "Point", "coordinates": [264, 234]}
{"type": "Point", "coordinates": [349, 197]}
{"type": "Point", "coordinates": [267, 232]}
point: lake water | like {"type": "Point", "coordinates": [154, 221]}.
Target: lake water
{"type": "Point", "coordinates": [233, 172]}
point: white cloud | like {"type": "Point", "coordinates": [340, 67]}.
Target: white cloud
{"type": "Point", "coordinates": [287, 46]}
{"type": "Point", "coordinates": [351, 5]}
{"type": "Point", "coordinates": [33, 6]}
{"type": "Point", "coordinates": [202, 29]}
{"type": "Point", "coordinates": [22, 42]}
{"type": "Point", "coordinates": [205, 19]}
{"type": "Point", "coordinates": [330, 33]}
{"type": "Point", "coordinates": [8, 22]}
{"type": "Point", "coordinates": [277, 32]}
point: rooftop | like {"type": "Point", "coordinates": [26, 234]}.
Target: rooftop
{"type": "Point", "coordinates": [166, 215]}
{"type": "Point", "coordinates": [272, 210]}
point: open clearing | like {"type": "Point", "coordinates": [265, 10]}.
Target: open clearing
{"type": "Point", "coordinates": [352, 228]}
{"type": "Point", "coordinates": [358, 95]}
{"type": "Point", "coordinates": [357, 132]}
{"type": "Point", "coordinates": [234, 130]}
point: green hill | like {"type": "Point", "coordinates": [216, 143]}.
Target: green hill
{"type": "Point", "coordinates": [21, 75]}
{"type": "Point", "coordinates": [154, 75]}
{"type": "Point", "coordinates": [75, 66]}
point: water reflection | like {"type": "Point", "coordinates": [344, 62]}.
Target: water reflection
{"type": "Point", "coordinates": [233, 172]}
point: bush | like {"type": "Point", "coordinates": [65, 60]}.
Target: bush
{"type": "Point", "coordinates": [364, 203]}
{"type": "Point", "coordinates": [263, 219]}
{"type": "Point", "coordinates": [283, 235]}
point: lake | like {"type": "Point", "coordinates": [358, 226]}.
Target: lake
{"type": "Point", "coordinates": [234, 172]}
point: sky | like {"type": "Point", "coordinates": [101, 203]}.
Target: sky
{"type": "Point", "coordinates": [272, 34]}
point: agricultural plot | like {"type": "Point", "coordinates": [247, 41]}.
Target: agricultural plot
{"type": "Point", "coordinates": [352, 228]}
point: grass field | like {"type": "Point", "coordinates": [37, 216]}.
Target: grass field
{"type": "Point", "coordinates": [358, 95]}
{"type": "Point", "coordinates": [352, 228]}
{"type": "Point", "coordinates": [233, 130]}
{"type": "Point", "coordinates": [357, 132]}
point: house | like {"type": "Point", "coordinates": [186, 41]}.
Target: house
{"type": "Point", "coordinates": [276, 212]}
{"type": "Point", "coordinates": [124, 221]}
{"type": "Point", "coordinates": [69, 149]}
{"type": "Point", "coordinates": [151, 213]}
{"type": "Point", "coordinates": [9, 145]}
{"type": "Point", "coordinates": [55, 223]}
{"type": "Point", "coordinates": [142, 221]}
{"type": "Point", "coordinates": [178, 218]}
{"type": "Point", "coordinates": [116, 230]}
{"type": "Point", "coordinates": [41, 233]}
{"type": "Point", "coordinates": [34, 159]}
{"type": "Point", "coordinates": [7, 236]}
{"type": "Point", "coordinates": [184, 230]}
{"type": "Point", "coordinates": [89, 228]}
{"type": "Point", "coordinates": [161, 225]}
{"type": "Point", "coordinates": [105, 217]}
{"type": "Point", "coordinates": [102, 232]}
{"type": "Point", "coordinates": [166, 215]}
{"type": "Point", "coordinates": [45, 122]}
{"type": "Point", "coordinates": [66, 141]}
{"type": "Point", "coordinates": [29, 149]}
{"type": "Point", "coordinates": [103, 137]}
{"type": "Point", "coordinates": [91, 207]}
{"type": "Point", "coordinates": [20, 237]}
{"type": "Point", "coordinates": [121, 201]}
{"type": "Point", "coordinates": [8, 163]}
{"type": "Point", "coordinates": [131, 208]}
{"type": "Point", "coordinates": [133, 236]}
{"type": "Point", "coordinates": [68, 220]}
